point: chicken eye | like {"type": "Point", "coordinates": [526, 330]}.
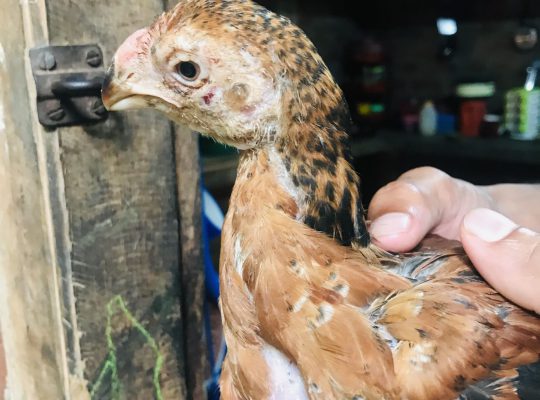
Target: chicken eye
{"type": "Point", "coordinates": [189, 70]}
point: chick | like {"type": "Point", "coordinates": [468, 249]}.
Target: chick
{"type": "Point", "coordinates": [311, 309]}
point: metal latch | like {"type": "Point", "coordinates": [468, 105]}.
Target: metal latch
{"type": "Point", "coordinates": [68, 82]}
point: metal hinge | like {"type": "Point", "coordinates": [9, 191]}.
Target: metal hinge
{"type": "Point", "coordinates": [68, 82]}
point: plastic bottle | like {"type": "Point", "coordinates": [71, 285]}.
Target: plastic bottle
{"type": "Point", "coordinates": [428, 119]}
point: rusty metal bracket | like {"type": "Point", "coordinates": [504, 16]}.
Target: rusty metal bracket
{"type": "Point", "coordinates": [68, 82]}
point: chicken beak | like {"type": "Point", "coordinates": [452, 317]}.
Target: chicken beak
{"type": "Point", "coordinates": [110, 93]}
{"type": "Point", "coordinates": [118, 94]}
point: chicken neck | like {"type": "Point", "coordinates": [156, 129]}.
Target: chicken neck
{"type": "Point", "coordinates": [312, 160]}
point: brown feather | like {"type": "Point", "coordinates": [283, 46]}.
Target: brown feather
{"type": "Point", "coordinates": [303, 290]}
{"type": "Point", "coordinates": [321, 304]}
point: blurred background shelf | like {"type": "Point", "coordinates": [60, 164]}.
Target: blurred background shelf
{"type": "Point", "coordinates": [501, 149]}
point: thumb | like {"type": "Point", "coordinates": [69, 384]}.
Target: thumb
{"type": "Point", "coordinates": [505, 254]}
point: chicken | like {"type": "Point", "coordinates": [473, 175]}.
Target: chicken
{"type": "Point", "coordinates": [311, 309]}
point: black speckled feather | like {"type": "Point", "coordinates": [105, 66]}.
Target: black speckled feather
{"type": "Point", "coordinates": [358, 323]}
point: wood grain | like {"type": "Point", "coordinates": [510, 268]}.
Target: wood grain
{"type": "Point", "coordinates": [29, 302]}
{"type": "Point", "coordinates": [189, 200]}
{"type": "Point", "coordinates": [120, 191]}
{"type": "Point", "coordinates": [102, 288]}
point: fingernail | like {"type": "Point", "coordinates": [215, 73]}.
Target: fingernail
{"type": "Point", "coordinates": [488, 225]}
{"type": "Point", "coordinates": [390, 224]}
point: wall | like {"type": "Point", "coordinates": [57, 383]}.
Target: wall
{"type": "Point", "coordinates": [485, 51]}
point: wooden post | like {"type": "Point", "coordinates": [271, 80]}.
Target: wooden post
{"type": "Point", "coordinates": [100, 264]}
{"type": "Point", "coordinates": [188, 174]}
{"type": "Point", "coordinates": [30, 284]}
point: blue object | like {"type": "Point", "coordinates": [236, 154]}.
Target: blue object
{"type": "Point", "coordinates": [446, 124]}
{"type": "Point", "coordinates": [212, 223]}
{"type": "Point", "coordinates": [211, 228]}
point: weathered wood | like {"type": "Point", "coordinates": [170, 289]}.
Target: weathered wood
{"type": "Point", "coordinates": [98, 297]}
{"type": "Point", "coordinates": [188, 178]}
{"type": "Point", "coordinates": [29, 286]}
{"type": "Point", "coordinates": [2, 370]}
{"type": "Point", "coordinates": [123, 226]}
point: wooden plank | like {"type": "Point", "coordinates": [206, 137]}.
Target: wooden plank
{"type": "Point", "coordinates": [29, 303]}
{"type": "Point", "coordinates": [3, 371]}
{"type": "Point", "coordinates": [189, 200]}
{"type": "Point", "coordinates": [119, 181]}
{"type": "Point", "coordinates": [89, 250]}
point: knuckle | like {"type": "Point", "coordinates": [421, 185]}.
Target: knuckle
{"type": "Point", "coordinates": [397, 196]}
{"type": "Point", "coordinates": [425, 173]}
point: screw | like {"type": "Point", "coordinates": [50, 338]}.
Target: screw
{"type": "Point", "coordinates": [47, 61]}
{"type": "Point", "coordinates": [57, 114]}
{"type": "Point", "coordinates": [93, 58]}
{"type": "Point", "coordinates": [98, 108]}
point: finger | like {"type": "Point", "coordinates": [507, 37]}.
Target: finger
{"type": "Point", "coordinates": [404, 211]}
{"type": "Point", "coordinates": [401, 216]}
{"type": "Point", "coordinates": [422, 200]}
{"type": "Point", "coordinates": [507, 256]}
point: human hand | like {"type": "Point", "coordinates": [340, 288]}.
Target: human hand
{"type": "Point", "coordinates": [506, 253]}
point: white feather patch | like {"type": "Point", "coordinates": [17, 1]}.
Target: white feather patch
{"type": "Point", "coordinates": [284, 177]}
{"type": "Point", "coordinates": [342, 289]}
{"type": "Point", "coordinates": [385, 335]}
{"type": "Point", "coordinates": [239, 256]}
{"type": "Point", "coordinates": [326, 312]}
{"type": "Point", "coordinates": [422, 354]}
{"type": "Point", "coordinates": [300, 303]}
{"type": "Point", "coordinates": [286, 382]}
